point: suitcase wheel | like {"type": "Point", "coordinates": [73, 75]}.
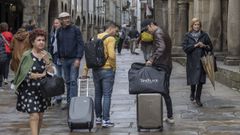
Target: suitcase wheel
{"type": "Point", "coordinates": [89, 127]}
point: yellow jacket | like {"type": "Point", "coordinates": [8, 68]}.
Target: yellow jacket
{"type": "Point", "coordinates": [109, 49]}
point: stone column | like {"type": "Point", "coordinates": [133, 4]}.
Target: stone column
{"type": "Point", "coordinates": [215, 24]}
{"type": "Point", "coordinates": [182, 27]}
{"type": "Point", "coordinates": [161, 14]}
{"type": "Point", "coordinates": [190, 11]}
{"type": "Point", "coordinates": [172, 10]}
{"type": "Point", "coordinates": [233, 33]}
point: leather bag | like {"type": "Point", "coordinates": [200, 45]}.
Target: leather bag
{"type": "Point", "coordinates": [51, 86]}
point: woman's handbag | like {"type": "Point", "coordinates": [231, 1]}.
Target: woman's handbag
{"type": "Point", "coordinates": [51, 86]}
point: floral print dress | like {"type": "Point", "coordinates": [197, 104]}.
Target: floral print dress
{"type": "Point", "coordinates": [30, 98]}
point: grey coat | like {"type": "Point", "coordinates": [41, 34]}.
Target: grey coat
{"type": "Point", "coordinates": [195, 71]}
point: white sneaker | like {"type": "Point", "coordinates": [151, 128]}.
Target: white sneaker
{"type": "Point", "coordinates": [107, 124]}
{"type": "Point", "coordinates": [169, 120]}
{"type": "Point", "coordinates": [98, 121]}
{"type": "Point", "coordinates": [5, 81]}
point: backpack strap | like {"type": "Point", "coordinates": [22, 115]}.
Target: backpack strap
{"type": "Point", "coordinates": [105, 37]}
{"type": "Point", "coordinates": [4, 39]}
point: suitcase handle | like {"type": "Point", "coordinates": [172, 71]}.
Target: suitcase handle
{"type": "Point", "coordinates": [79, 86]}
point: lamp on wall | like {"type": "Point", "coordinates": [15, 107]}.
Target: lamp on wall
{"type": "Point", "coordinates": [12, 8]}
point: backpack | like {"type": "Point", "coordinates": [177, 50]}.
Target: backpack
{"type": "Point", "coordinates": [94, 53]}
{"type": "Point", "coordinates": [3, 54]}
{"type": "Point", "coordinates": [146, 37]}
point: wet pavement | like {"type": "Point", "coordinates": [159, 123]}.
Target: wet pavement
{"type": "Point", "coordinates": [220, 114]}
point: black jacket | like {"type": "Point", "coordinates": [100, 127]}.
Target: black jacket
{"type": "Point", "coordinates": [195, 71]}
{"type": "Point", "coordinates": [70, 42]}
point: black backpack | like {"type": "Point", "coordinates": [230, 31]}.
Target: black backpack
{"type": "Point", "coordinates": [94, 53]}
{"type": "Point", "coordinates": [3, 54]}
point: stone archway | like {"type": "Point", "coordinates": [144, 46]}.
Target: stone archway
{"type": "Point", "coordinates": [53, 12]}
{"type": "Point", "coordinates": [11, 11]}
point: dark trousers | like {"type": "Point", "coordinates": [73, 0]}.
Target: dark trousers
{"type": "Point", "coordinates": [167, 98]}
{"type": "Point", "coordinates": [2, 68]}
{"type": "Point", "coordinates": [6, 67]}
{"type": "Point", "coordinates": [198, 92]}
{"type": "Point", "coordinates": [119, 46]}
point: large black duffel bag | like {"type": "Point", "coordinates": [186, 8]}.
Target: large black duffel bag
{"type": "Point", "coordinates": [147, 79]}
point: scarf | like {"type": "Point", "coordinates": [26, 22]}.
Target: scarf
{"type": "Point", "coordinates": [196, 35]}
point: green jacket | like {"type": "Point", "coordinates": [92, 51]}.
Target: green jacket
{"type": "Point", "coordinates": [25, 65]}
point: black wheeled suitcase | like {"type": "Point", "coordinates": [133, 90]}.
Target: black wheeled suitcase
{"type": "Point", "coordinates": [149, 111]}
{"type": "Point", "coordinates": [81, 110]}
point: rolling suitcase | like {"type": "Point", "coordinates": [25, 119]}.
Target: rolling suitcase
{"type": "Point", "coordinates": [81, 110]}
{"type": "Point", "coordinates": [149, 111]}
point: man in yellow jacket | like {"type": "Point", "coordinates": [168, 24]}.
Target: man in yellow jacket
{"type": "Point", "coordinates": [103, 77]}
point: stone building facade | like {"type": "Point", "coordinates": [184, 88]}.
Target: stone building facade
{"type": "Point", "coordinates": [89, 15]}
{"type": "Point", "coordinates": [220, 19]}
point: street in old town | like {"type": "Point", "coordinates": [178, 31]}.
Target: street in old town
{"type": "Point", "coordinates": [220, 114]}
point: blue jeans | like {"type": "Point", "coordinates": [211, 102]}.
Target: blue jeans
{"type": "Point", "coordinates": [70, 75]}
{"type": "Point", "coordinates": [103, 82]}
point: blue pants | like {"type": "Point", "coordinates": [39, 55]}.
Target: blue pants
{"type": "Point", "coordinates": [103, 82]}
{"type": "Point", "coordinates": [70, 75]}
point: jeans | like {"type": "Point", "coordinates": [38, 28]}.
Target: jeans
{"type": "Point", "coordinates": [2, 66]}
{"type": "Point", "coordinates": [147, 50]}
{"type": "Point", "coordinates": [103, 82]}
{"type": "Point", "coordinates": [70, 75]}
{"type": "Point", "coordinates": [133, 45]}
{"type": "Point", "coordinates": [6, 68]}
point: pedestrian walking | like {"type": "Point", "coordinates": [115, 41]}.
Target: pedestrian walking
{"type": "Point", "coordinates": [146, 41]}
{"type": "Point", "coordinates": [70, 51]}
{"type": "Point", "coordinates": [103, 77]}
{"type": "Point", "coordinates": [122, 36]}
{"type": "Point", "coordinates": [7, 38]}
{"type": "Point", "coordinates": [133, 35]}
{"type": "Point", "coordinates": [53, 50]}
{"type": "Point", "coordinates": [161, 57]}
{"type": "Point", "coordinates": [196, 42]}
{"type": "Point", "coordinates": [34, 65]}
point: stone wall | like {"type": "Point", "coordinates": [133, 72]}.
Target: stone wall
{"type": "Point", "coordinates": [227, 75]}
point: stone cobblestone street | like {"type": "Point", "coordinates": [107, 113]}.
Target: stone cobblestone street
{"type": "Point", "coordinates": [220, 114]}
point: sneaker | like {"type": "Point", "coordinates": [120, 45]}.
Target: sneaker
{"type": "Point", "coordinates": [5, 81]}
{"type": "Point", "coordinates": [107, 123]}
{"type": "Point", "coordinates": [98, 120]}
{"type": "Point", "coordinates": [169, 120]}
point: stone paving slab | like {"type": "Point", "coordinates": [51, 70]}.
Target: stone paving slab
{"type": "Point", "coordinates": [220, 114]}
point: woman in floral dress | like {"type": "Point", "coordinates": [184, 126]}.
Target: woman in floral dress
{"type": "Point", "coordinates": [34, 65]}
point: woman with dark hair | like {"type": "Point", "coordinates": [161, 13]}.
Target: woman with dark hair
{"type": "Point", "coordinates": [196, 42]}
{"type": "Point", "coordinates": [34, 65]}
{"type": "Point", "coordinates": [7, 38]}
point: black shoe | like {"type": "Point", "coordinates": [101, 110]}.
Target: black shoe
{"type": "Point", "coordinates": [65, 107]}
{"type": "Point", "coordinates": [198, 102]}
{"type": "Point", "coordinates": [192, 97]}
